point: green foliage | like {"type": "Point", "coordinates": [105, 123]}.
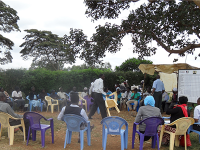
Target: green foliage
{"type": "Point", "coordinates": [43, 78]}
{"type": "Point", "coordinates": [173, 26]}
{"type": "Point", "coordinates": [8, 23]}
{"type": "Point", "coordinates": [132, 64]}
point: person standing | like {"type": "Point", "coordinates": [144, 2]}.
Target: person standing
{"type": "Point", "coordinates": [158, 89]}
{"type": "Point", "coordinates": [197, 115]}
{"type": "Point", "coordinates": [98, 98]}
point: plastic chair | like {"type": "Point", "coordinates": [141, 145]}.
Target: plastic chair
{"type": "Point", "coordinates": [35, 125]}
{"type": "Point", "coordinates": [89, 102]}
{"type": "Point", "coordinates": [74, 124]}
{"type": "Point", "coordinates": [138, 106]}
{"type": "Point", "coordinates": [31, 104]}
{"type": "Point", "coordinates": [49, 101]}
{"type": "Point", "coordinates": [4, 122]}
{"type": "Point", "coordinates": [152, 124]}
{"type": "Point", "coordinates": [83, 101]}
{"type": "Point", "coordinates": [182, 125]}
{"type": "Point", "coordinates": [111, 103]}
{"type": "Point", "coordinates": [113, 125]}
{"type": "Point", "coordinates": [190, 129]}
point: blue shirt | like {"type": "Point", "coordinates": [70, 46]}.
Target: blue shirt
{"type": "Point", "coordinates": [158, 85]}
{"type": "Point", "coordinates": [108, 93]}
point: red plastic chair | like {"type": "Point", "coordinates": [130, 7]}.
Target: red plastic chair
{"type": "Point", "coordinates": [34, 119]}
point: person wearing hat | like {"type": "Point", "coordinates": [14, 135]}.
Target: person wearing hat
{"type": "Point", "coordinates": [84, 93]}
{"type": "Point", "coordinates": [134, 99]}
{"type": "Point", "coordinates": [158, 90]}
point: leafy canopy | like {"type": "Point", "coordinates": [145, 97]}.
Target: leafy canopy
{"type": "Point", "coordinates": [173, 26]}
{"type": "Point", "coordinates": [8, 23]}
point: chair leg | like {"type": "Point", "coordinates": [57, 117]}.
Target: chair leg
{"type": "Point", "coordinates": [70, 137]}
{"type": "Point", "coordinates": [172, 138]}
{"type": "Point", "coordinates": [11, 135]}
{"type": "Point", "coordinates": [82, 139]}
{"type": "Point", "coordinates": [141, 141]}
{"type": "Point", "coordinates": [185, 141]}
{"type": "Point", "coordinates": [52, 107]}
{"type": "Point", "coordinates": [33, 135]}
{"type": "Point", "coordinates": [153, 143]}
{"type": "Point", "coordinates": [161, 135]}
{"type": "Point", "coordinates": [52, 134]}
{"type": "Point", "coordinates": [43, 138]}
{"type": "Point", "coordinates": [157, 139]}
{"type": "Point", "coordinates": [105, 141]}
{"type": "Point", "coordinates": [0, 130]}
{"type": "Point", "coordinates": [177, 142]}
{"type": "Point", "coordinates": [88, 137]}
{"type": "Point", "coordinates": [29, 130]}
{"type": "Point", "coordinates": [66, 138]}
{"type": "Point", "coordinates": [122, 141]}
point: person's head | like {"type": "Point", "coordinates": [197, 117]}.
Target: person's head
{"type": "Point", "coordinates": [175, 90]}
{"type": "Point", "coordinates": [118, 89]}
{"type": "Point", "coordinates": [17, 88]}
{"type": "Point", "coordinates": [2, 97]}
{"type": "Point", "coordinates": [85, 89]}
{"type": "Point", "coordinates": [105, 89]}
{"type": "Point", "coordinates": [33, 88]}
{"type": "Point", "coordinates": [43, 90]}
{"type": "Point", "coordinates": [74, 97]}
{"type": "Point", "coordinates": [135, 90]}
{"type": "Point", "coordinates": [74, 89]}
{"type": "Point", "coordinates": [149, 89]}
{"type": "Point", "coordinates": [53, 91]}
{"type": "Point", "coordinates": [157, 77]}
{"type": "Point", "coordinates": [149, 100]}
{"type": "Point", "coordinates": [1, 89]}
{"type": "Point", "coordinates": [183, 100]}
{"type": "Point", "coordinates": [198, 101]}
{"type": "Point", "coordinates": [102, 76]}
{"type": "Point", "coordinates": [128, 89]}
{"type": "Point", "coordinates": [60, 89]}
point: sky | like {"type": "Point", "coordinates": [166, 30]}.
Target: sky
{"type": "Point", "coordinates": [61, 15]}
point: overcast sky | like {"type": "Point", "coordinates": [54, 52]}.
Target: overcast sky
{"type": "Point", "coordinates": [61, 15]}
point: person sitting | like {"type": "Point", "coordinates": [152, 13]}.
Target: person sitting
{"type": "Point", "coordinates": [62, 97]}
{"type": "Point", "coordinates": [119, 95]}
{"type": "Point", "coordinates": [34, 100]}
{"type": "Point", "coordinates": [17, 97]}
{"type": "Point", "coordinates": [42, 95]}
{"type": "Point", "coordinates": [146, 111]}
{"type": "Point", "coordinates": [8, 100]}
{"type": "Point", "coordinates": [125, 97]}
{"type": "Point", "coordinates": [134, 99]}
{"type": "Point", "coordinates": [108, 92]}
{"type": "Point", "coordinates": [165, 98]}
{"type": "Point", "coordinates": [176, 111]}
{"type": "Point", "coordinates": [174, 97]}
{"type": "Point", "coordinates": [54, 95]}
{"type": "Point", "coordinates": [73, 109]}
{"type": "Point", "coordinates": [147, 93]}
{"type": "Point", "coordinates": [5, 107]}
{"type": "Point", "coordinates": [197, 115]}
{"type": "Point", "coordinates": [84, 93]}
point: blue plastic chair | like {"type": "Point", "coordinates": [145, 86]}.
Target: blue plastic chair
{"type": "Point", "coordinates": [113, 125]}
{"type": "Point", "coordinates": [77, 123]}
{"type": "Point", "coordinates": [31, 104]}
{"type": "Point", "coordinates": [35, 125]}
{"type": "Point", "coordinates": [190, 129]}
{"type": "Point", "coordinates": [48, 94]}
{"type": "Point", "coordinates": [152, 124]}
{"type": "Point", "coordinates": [138, 106]}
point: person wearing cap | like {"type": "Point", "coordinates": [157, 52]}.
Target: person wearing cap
{"type": "Point", "coordinates": [146, 111]}
{"type": "Point", "coordinates": [134, 99]}
{"type": "Point", "coordinates": [84, 93]}
{"type": "Point", "coordinates": [158, 90]}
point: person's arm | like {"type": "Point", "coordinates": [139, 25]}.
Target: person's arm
{"type": "Point", "coordinates": [196, 114]}
{"type": "Point", "coordinates": [10, 111]}
{"type": "Point", "coordinates": [61, 114]}
{"type": "Point", "coordinates": [138, 117]}
{"type": "Point", "coordinates": [83, 114]}
{"type": "Point", "coordinates": [132, 95]}
{"type": "Point", "coordinates": [90, 90]}
{"type": "Point", "coordinates": [138, 97]}
{"type": "Point", "coordinates": [172, 110]}
{"type": "Point", "coordinates": [101, 87]}
{"type": "Point", "coordinates": [153, 91]}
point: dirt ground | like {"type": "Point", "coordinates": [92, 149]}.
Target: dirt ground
{"type": "Point", "coordinates": [60, 131]}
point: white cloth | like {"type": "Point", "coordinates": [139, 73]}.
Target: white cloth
{"type": "Point", "coordinates": [82, 113]}
{"type": "Point", "coordinates": [97, 87]}
{"type": "Point", "coordinates": [125, 95]}
{"type": "Point", "coordinates": [197, 113]}
{"type": "Point", "coordinates": [62, 95]}
{"type": "Point", "coordinates": [83, 94]}
{"type": "Point", "coordinates": [15, 94]}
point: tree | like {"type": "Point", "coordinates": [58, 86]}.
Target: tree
{"type": "Point", "coordinates": [174, 27]}
{"type": "Point", "coordinates": [8, 23]}
{"type": "Point", "coordinates": [132, 64]}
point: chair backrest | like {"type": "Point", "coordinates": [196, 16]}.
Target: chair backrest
{"type": "Point", "coordinates": [182, 125]}
{"type": "Point", "coordinates": [48, 99]}
{"type": "Point", "coordinates": [34, 119]}
{"type": "Point", "coordinates": [110, 103]}
{"type": "Point", "coordinates": [73, 122]}
{"type": "Point", "coordinates": [114, 124]}
{"type": "Point", "coordinates": [4, 119]}
{"type": "Point", "coordinates": [152, 124]}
